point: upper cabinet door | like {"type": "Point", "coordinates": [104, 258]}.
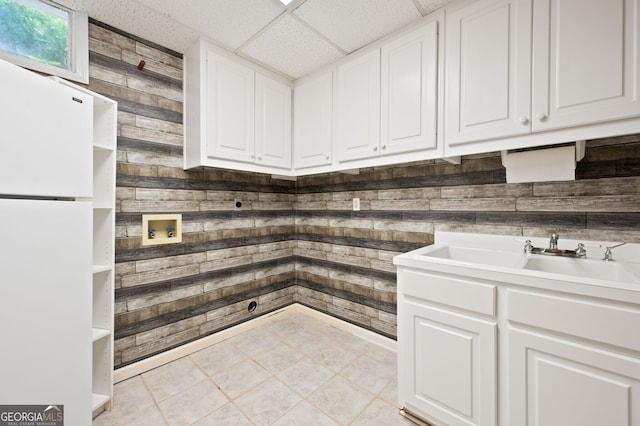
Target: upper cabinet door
{"type": "Point", "coordinates": [47, 136]}
{"type": "Point", "coordinates": [487, 69]}
{"type": "Point", "coordinates": [585, 62]}
{"type": "Point", "coordinates": [273, 123]}
{"type": "Point", "coordinates": [409, 91]}
{"type": "Point", "coordinates": [312, 121]}
{"type": "Point", "coordinates": [229, 109]}
{"type": "Point", "coordinates": [358, 107]}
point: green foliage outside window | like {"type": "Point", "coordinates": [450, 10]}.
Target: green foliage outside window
{"type": "Point", "coordinates": [31, 33]}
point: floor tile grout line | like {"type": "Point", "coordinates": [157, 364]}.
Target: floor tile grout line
{"type": "Point", "coordinates": [306, 398]}
{"type": "Point", "coordinates": [297, 323]}
{"type": "Point", "coordinates": [146, 385]}
{"type": "Point", "coordinates": [217, 371]}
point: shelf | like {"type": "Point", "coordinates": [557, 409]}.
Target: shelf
{"type": "Point", "coordinates": [103, 148]}
{"type": "Point", "coordinates": [98, 400]}
{"type": "Point", "coordinates": [101, 268]}
{"type": "Point", "coordinates": [99, 333]}
{"type": "Point", "coordinates": [102, 207]}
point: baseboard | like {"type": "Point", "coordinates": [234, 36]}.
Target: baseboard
{"type": "Point", "coordinates": [155, 361]}
{"type": "Point", "coordinates": [363, 333]}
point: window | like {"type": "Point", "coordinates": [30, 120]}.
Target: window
{"type": "Point", "coordinates": [45, 37]}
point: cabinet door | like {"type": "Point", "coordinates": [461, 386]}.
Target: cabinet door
{"type": "Point", "coordinates": [47, 133]}
{"type": "Point", "coordinates": [446, 365]}
{"type": "Point", "coordinates": [312, 121]}
{"type": "Point", "coordinates": [273, 123]}
{"type": "Point", "coordinates": [358, 107]}
{"type": "Point", "coordinates": [230, 103]}
{"type": "Point", "coordinates": [409, 91]}
{"type": "Point", "coordinates": [487, 68]}
{"type": "Point", "coordinates": [585, 61]}
{"type": "Point", "coordinates": [557, 382]}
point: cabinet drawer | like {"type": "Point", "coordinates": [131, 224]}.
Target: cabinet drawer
{"type": "Point", "coordinates": [615, 325]}
{"type": "Point", "coordinates": [457, 292]}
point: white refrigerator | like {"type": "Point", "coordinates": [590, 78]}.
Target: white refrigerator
{"type": "Point", "coordinates": [45, 244]}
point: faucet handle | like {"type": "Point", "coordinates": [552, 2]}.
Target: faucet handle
{"type": "Point", "coordinates": [581, 251]}
{"type": "Point", "coordinates": [528, 247]}
{"type": "Point", "coordinates": [608, 254]}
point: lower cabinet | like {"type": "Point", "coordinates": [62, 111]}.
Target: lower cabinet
{"type": "Point", "coordinates": [553, 381]}
{"type": "Point", "coordinates": [573, 360]}
{"type": "Point", "coordinates": [449, 368]}
{"type": "Point", "coordinates": [447, 359]}
{"type": "Point", "coordinates": [477, 352]}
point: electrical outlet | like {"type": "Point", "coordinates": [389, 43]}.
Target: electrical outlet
{"type": "Point", "coordinates": [356, 204]}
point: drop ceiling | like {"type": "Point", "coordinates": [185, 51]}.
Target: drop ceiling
{"type": "Point", "coordinates": [291, 40]}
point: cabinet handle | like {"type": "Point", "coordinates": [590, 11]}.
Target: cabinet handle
{"type": "Point", "coordinates": [328, 157]}
{"type": "Point", "coordinates": [375, 148]}
{"type": "Point", "coordinates": [541, 116]}
{"type": "Point", "coordinates": [384, 147]}
{"type": "Point", "coordinates": [253, 157]}
{"type": "Point", "coordinates": [524, 120]}
{"type": "Point", "coordinates": [260, 158]}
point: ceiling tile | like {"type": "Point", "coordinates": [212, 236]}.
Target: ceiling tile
{"type": "Point", "coordinates": [290, 47]}
{"type": "Point", "coordinates": [134, 18]}
{"type": "Point", "coordinates": [230, 23]}
{"type": "Point", "coordinates": [354, 23]}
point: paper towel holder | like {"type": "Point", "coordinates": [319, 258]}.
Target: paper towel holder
{"type": "Point", "coordinates": [543, 164]}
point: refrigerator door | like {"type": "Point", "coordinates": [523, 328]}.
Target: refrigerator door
{"type": "Point", "coordinates": [45, 305]}
{"type": "Point", "coordinates": [46, 132]}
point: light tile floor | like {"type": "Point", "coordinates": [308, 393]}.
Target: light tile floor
{"type": "Point", "coordinates": [295, 370]}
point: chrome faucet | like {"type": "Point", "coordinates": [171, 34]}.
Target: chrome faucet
{"type": "Point", "coordinates": [553, 242]}
{"type": "Point", "coordinates": [608, 255]}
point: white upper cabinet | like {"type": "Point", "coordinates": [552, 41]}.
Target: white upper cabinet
{"type": "Point", "coordinates": [410, 91]}
{"type": "Point", "coordinates": [518, 68]}
{"type": "Point", "coordinates": [56, 122]}
{"type": "Point", "coordinates": [487, 70]}
{"type": "Point", "coordinates": [236, 115]}
{"type": "Point", "coordinates": [387, 99]}
{"type": "Point", "coordinates": [585, 62]}
{"type": "Point", "coordinates": [312, 121]}
{"type": "Point", "coordinates": [230, 103]}
{"type": "Point", "coordinates": [358, 107]}
{"type": "Point", "coordinates": [273, 123]}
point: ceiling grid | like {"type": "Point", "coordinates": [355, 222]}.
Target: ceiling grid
{"type": "Point", "coordinates": [291, 40]}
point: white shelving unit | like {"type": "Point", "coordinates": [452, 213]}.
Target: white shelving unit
{"type": "Point", "coordinates": [105, 115]}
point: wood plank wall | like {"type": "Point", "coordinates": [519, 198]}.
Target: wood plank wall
{"type": "Point", "coordinates": [300, 242]}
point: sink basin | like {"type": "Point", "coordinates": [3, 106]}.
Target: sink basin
{"type": "Point", "coordinates": [585, 268]}
{"type": "Point", "coordinates": [502, 258]}
{"type": "Point", "coordinates": [572, 269]}
{"type": "Point", "coordinates": [476, 256]}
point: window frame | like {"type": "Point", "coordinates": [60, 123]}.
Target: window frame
{"type": "Point", "coordinates": [78, 69]}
